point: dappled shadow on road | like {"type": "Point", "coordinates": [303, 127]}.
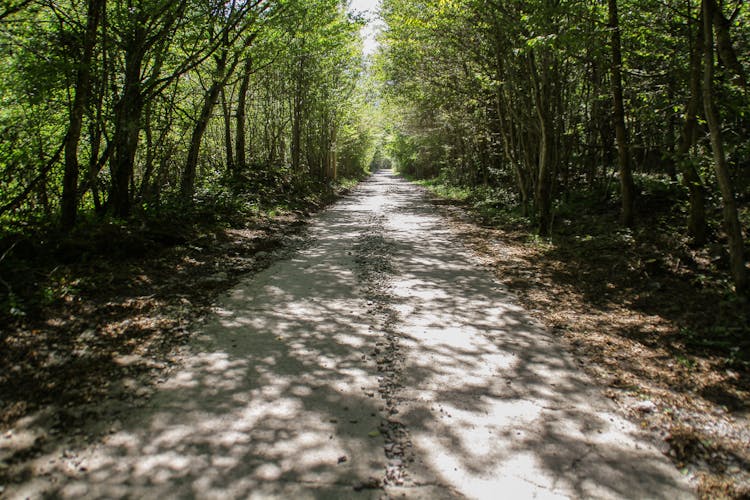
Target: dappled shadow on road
{"type": "Point", "coordinates": [492, 401]}
{"type": "Point", "coordinates": [654, 320]}
{"type": "Point", "coordinates": [275, 398]}
{"type": "Point", "coordinates": [279, 396]}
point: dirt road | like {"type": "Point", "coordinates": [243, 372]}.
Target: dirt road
{"type": "Point", "coordinates": [378, 360]}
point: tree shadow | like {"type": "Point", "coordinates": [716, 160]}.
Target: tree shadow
{"type": "Point", "coordinates": [274, 397]}
{"type": "Point", "coordinates": [278, 397]}
{"type": "Point", "coordinates": [492, 400]}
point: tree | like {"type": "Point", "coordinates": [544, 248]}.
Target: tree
{"type": "Point", "coordinates": [235, 23]}
{"type": "Point", "coordinates": [81, 92]}
{"type": "Point", "coordinates": [143, 31]}
{"type": "Point", "coordinates": [731, 220]}
{"type": "Point", "coordinates": [697, 216]}
{"type": "Point", "coordinates": [627, 189]}
{"type": "Point", "coordinates": [526, 102]}
{"type": "Point", "coordinates": [122, 84]}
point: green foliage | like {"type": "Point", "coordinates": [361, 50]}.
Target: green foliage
{"type": "Point", "coordinates": [493, 205]}
{"type": "Point", "coordinates": [516, 96]}
{"type": "Point", "coordinates": [448, 191]}
{"type": "Point", "coordinates": [293, 51]}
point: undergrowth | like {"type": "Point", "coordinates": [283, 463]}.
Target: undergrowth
{"type": "Point", "coordinates": [33, 256]}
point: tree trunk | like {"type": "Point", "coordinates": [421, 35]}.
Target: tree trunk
{"type": "Point", "coordinates": [724, 42]}
{"type": "Point", "coordinates": [623, 156]}
{"type": "Point", "coordinates": [543, 189]}
{"type": "Point", "coordinates": [226, 110]}
{"type": "Point", "coordinates": [69, 202]}
{"type": "Point", "coordinates": [731, 219]}
{"type": "Point", "coordinates": [128, 113]}
{"type": "Point", "coordinates": [297, 111]}
{"type": "Point", "coordinates": [332, 155]}
{"type": "Point", "coordinates": [691, 178]}
{"type": "Point", "coordinates": [296, 132]}
{"type": "Point", "coordinates": [94, 167]}
{"type": "Point", "coordinates": [187, 186]}
{"type": "Point", "coordinates": [670, 139]}
{"type": "Point", "coordinates": [149, 161]}
{"type": "Point", "coordinates": [509, 150]}
{"type": "Point", "coordinates": [543, 186]}
{"type": "Point", "coordinates": [241, 117]}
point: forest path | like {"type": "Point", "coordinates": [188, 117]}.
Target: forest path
{"type": "Point", "coordinates": [379, 359]}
